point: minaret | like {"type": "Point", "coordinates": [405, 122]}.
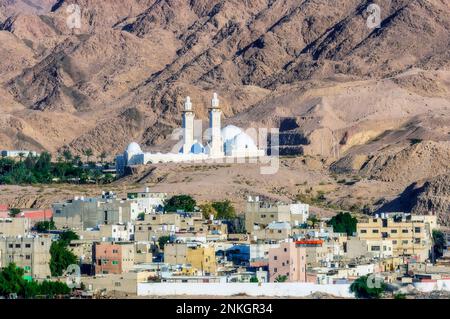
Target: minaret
{"type": "Point", "coordinates": [188, 126]}
{"type": "Point", "coordinates": [215, 114]}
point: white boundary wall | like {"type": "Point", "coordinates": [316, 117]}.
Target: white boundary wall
{"type": "Point", "coordinates": [441, 284]}
{"type": "Point", "coordinates": [250, 289]}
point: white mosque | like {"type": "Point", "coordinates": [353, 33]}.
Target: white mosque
{"type": "Point", "coordinates": [229, 142]}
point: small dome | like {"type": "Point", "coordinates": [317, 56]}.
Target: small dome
{"type": "Point", "coordinates": [243, 142]}
{"type": "Point", "coordinates": [229, 132]}
{"type": "Point", "coordinates": [197, 148]}
{"type": "Point", "coordinates": [134, 148]}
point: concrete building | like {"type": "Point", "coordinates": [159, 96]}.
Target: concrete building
{"type": "Point", "coordinates": [259, 254]}
{"type": "Point", "coordinates": [259, 214]}
{"type": "Point", "coordinates": [275, 231]}
{"type": "Point", "coordinates": [82, 213]}
{"type": "Point", "coordinates": [113, 257]}
{"type": "Point", "coordinates": [148, 202]}
{"type": "Point", "coordinates": [116, 232]}
{"type": "Point", "coordinates": [287, 260]}
{"type": "Point", "coordinates": [199, 256]}
{"type": "Point", "coordinates": [31, 253]}
{"type": "Point", "coordinates": [411, 235]}
{"type": "Point", "coordinates": [356, 248]}
{"type": "Point", "coordinates": [14, 226]}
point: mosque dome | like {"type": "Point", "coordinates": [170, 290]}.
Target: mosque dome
{"type": "Point", "coordinates": [229, 132]}
{"type": "Point", "coordinates": [134, 148]}
{"type": "Point", "coordinates": [197, 148]}
{"type": "Point", "coordinates": [243, 142]}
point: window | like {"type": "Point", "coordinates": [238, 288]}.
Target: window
{"type": "Point", "coordinates": [404, 231]}
{"type": "Point", "coordinates": [275, 269]}
{"type": "Point", "coordinates": [272, 216]}
{"type": "Point", "coordinates": [417, 229]}
{"type": "Point", "coordinates": [27, 257]}
{"type": "Point", "coordinates": [27, 245]}
{"type": "Point", "coordinates": [393, 231]}
{"type": "Point", "coordinates": [275, 258]}
{"type": "Point", "coordinates": [10, 246]}
{"type": "Point", "coordinates": [285, 250]}
{"type": "Point", "coordinates": [394, 242]}
{"type": "Point", "coordinates": [115, 262]}
{"type": "Point", "coordinates": [117, 284]}
{"type": "Point", "coordinates": [17, 245]}
{"type": "Point", "coordinates": [417, 240]}
{"type": "Point", "coordinates": [115, 251]}
{"type": "Point", "coordinates": [375, 231]}
{"type": "Point", "coordinates": [363, 231]}
{"type": "Point", "coordinates": [375, 248]}
{"type": "Point", "coordinates": [404, 242]}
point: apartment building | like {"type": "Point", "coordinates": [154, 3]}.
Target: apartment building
{"type": "Point", "coordinates": [381, 249]}
{"type": "Point", "coordinates": [82, 213]}
{"type": "Point", "coordinates": [113, 257]}
{"type": "Point", "coordinates": [148, 202]}
{"type": "Point", "coordinates": [289, 259]}
{"type": "Point", "coordinates": [199, 256]}
{"type": "Point", "coordinates": [260, 214]}
{"type": "Point", "coordinates": [14, 226]}
{"type": "Point", "coordinates": [275, 231]}
{"type": "Point", "coordinates": [31, 253]}
{"type": "Point", "coordinates": [411, 235]}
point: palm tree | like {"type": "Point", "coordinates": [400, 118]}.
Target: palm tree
{"type": "Point", "coordinates": [103, 156]}
{"type": "Point", "coordinates": [21, 156]}
{"type": "Point", "coordinates": [67, 154]}
{"type": "Point", "coordinates": [88, 153]}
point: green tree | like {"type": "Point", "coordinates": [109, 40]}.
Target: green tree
{"type": "Point", "coordinates": [12, 281]}
{"type": "Point", "coordinates": [343, 223]}
{"type": "Point", "coordinates": [45, 226]}
{"type": "Point", "coordinates": [88, 153]}
{"type": "Point", "coordinates": [13, 212]}
{"type": "Point", "coordinates": [225, 210]}
{"type": "Point", "coordinates": [162, 241]}
{"type": "Point", "coordinates": [141, 216]}
{"type": "Point", "coordinates": [103, 156]}
{"type": "Point", "coordinates": [361, 288]}
{"type": "Point", "coordinates": [61, 258]}
{"type": "Point", "coordinates": [254, 279]}
{"type": "Point", "coordinates": [68, 236]}
{"type": "Point", "coordinates": [438, 243]}
{"type": "Point", "coordinates": [67, 154]}
{"type": "Point", "coordinates": [281, 278]}
{"type": "Point", "coordinates": [180, 202]}
{"type": "Point", "coordinates": [208, 210]}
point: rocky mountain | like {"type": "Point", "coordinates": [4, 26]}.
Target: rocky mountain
{"type": "Point", "coordinates": [358, 97]}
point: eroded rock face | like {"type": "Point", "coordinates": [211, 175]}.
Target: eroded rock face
{"type": "Point", "coordinates": [267, 59]}
{"type": "Point", "coordinates": [435, 197]}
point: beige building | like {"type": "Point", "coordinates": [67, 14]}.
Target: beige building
{"type": "Point", "coordinates": [411, 235]}
{"type": "Point", "coordinates": [30, 253]}
{"type": "Point", "coordinates": [275, 231]}
{"type": "Point", "coordinates": [260, 214]}
{"type": "Point", "coordinates": [356, 247]}
{"type": "Point", "coordinates": [81, 213]}
{"type": "Point", "coordinates": [143, 253]}
{"type": "Point", "coordinates": [116, 283]}
{"type": "Point", "coordinates": [14, 226]}
{"type": "Point", "coordinates": [199, 256]}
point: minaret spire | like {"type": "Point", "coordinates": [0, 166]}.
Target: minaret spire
{"type": "Point", "coordinates": [215, 114]}
{"type": "Point", "coordinates": [188, 126]}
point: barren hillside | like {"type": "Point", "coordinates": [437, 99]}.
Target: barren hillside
{"type": "Point", "coordinates": [356, 97]}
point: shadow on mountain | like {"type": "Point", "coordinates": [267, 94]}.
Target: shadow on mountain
{"type": "Point", "coordinates": [405, 202]}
